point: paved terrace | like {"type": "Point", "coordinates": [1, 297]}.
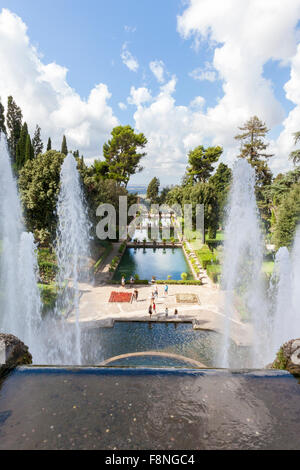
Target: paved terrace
{"type": "Point", "coordinates": [96, 311]}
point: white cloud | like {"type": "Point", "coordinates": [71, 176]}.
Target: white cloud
{"type": "Point", "coordinates": [44, 95]}
{"type": "Point", "coordinates": [128, 59]}
{"type": "Point", "coordinates": [122, 106]}
{"type": "Point", "coordinates": [139, 96]}
{"type": "Point", "coordinates": [245, 36]}
{"type": "Point", "coordinates": [130, 29]}
{"type": "Point", "coordinates": [157, 68]}
{"type": "Point", "coordinates": [206, 73]}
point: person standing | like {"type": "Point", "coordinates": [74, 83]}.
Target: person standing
{"type": "Point", "coordinates": [150, 310]}
{"type": "Point", "coordinates": [156, 292]}
{"type": "Point", "coordinates": [154, 307]}
{"type": "Point", "coordinates": [123, 281]}
{"type": "Point", "coordinates": [166, 289]}
{"type": "Point", "coordinates": [136, 294]}
{"type": "Point", "coordinates": [166, 311]}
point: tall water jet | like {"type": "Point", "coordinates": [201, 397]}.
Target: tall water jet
{"type": "Point", "coordinates": [243, 256]}
{"type": "Point", "coordinates": [72, 250]}
{"type": "Point", "coordinates": [19, 300]}
{"type": "Point", "coordinates": [281, 302]}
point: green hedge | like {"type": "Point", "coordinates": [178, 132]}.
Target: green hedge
{"type": "Point", "coordinates": [102, 257]}
{"type": "Point", "coordinates": [192, 282]}
{"type": "Point", "coordinates": [214, 272]}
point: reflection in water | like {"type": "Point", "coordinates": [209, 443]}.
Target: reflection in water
{"type": "Point", "coordinates": [144, 409]}
{"type": "Point", "coordinates": [150, 262]}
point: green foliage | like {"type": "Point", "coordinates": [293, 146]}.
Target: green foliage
{"type": "Point", "coordinates": [153, 191]}
{"type": "Point", "coordinates": [39, 181]}
{"type": "Point", "coordinates": [103, 256]}
{"type": "Point", "coordinates": [48, 296]}
{"type": "Point", "coordinates": [14, 125]}
{"type": "Point", "coordinates": [121, 153]}
{"type": "Point", "coordinates": [191, 282]}
{"type": "Point", "coordinates": [201, 162]}
{"type": "Point", "coordinates": [288, 217]}
{"type": "Point", "coordinates": [21, 147]}
{"type": "Point", "coordinates": [47, 265]}
{"type": "Point", "coordinates": [49, 145]}
{"type": "Point", "coordinates": [295, 155]}
{"type": "Point", "coordinates": [37, 143]}
{"type": "Point", "coordinates": [64, 147]}
{"type": "Point", "coordinates": [2, 119]}
{"type": "Point", "coordinates": [184, 276]}
{"type": "Point", "coordinates": [280, 361]}
{"type": "Point", "coordinates": [214, 272]}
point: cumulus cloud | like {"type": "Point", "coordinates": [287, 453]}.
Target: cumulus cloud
{"type": "Point", "coordinates": [206, 73]}
{"type": "Point", "coordinates": [157, 68]}
{"type": "Point", "coordinates": [139, 96]}
{"type": "Point", "coordinates": [122, 106]}
{"type": "Point", "coordinates": [245, 36]}
{"type": "Point", "coordinates": [44, 95]}
{"type": "Point", "coordinates": [128, 59]}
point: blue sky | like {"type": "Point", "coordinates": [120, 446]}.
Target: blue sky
{"type": "Point", "coordinates": [88, 37]}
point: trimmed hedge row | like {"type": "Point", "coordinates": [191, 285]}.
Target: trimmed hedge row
{"type": "Point", "coordinates": [136, 282]}
{"type": "Point", "coordinates": [191, 282]}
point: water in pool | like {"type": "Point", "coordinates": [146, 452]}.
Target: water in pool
{"type": "Point", "coordinates": [175, 338]}
{"type": "Point", "coordinates": [148, 262]}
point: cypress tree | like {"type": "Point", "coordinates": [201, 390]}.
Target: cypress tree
{"type": "Point", "coordinates": [2, 119]}
{"type": "Point", "coordinates": [21, 147]}
{"type": "Point", "coordinates": [64, 147]}
{"type": "Point", "coordinates": [14, 125]}
{"type": "Point", "coordinates": [28, 149]}
{"type": "Point", "coordinates": [37, 144]}
{"type": "Point", "coordinates": [49, 145]}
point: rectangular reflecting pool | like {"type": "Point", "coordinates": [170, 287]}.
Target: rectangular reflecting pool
{"type": "Point", "coordinates": [148, 262]}
{"type": "Point", "coordinates": [98, 408]}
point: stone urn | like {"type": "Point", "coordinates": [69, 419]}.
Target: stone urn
{"type": "Point", "coordinates": [13, 352]}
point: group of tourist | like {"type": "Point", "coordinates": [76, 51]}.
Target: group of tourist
{"type": "Point", "coordinates": [154, 296]}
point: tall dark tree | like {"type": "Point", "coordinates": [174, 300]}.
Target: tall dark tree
{"type": "Point", "coordinates": [2, 119]}
{"type": "Point", "coordinates": [254, 149]}
{"type": "Point", "coordinates": [153, 190]}
{"type": "Point", "coordinates": [201, 162]}
{"type": "Point", "coordinates": [37, 143]}
{"type": "Point", "coordinates": [14, 125]}
{"type": "Point", "coordinates": [221, 180]}
{"type": "Point", "coordinates": [64, 147]}
{"type": "Point", "coordinates": [29, 152]}
{"type": "Point", "coordinates": [122, 155]}
{"type": "Point", "coordinates": [21, 147]}
{"type": "Point", "coordinates": [49, 145]}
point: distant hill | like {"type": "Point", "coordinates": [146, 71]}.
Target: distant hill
{"type": "Point", "coordinates": [140, 189]}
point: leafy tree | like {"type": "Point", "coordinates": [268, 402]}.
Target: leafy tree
{"type": "Point", "coordinates": [2, 119]}
{"type": "Point", "coordinates": [39, 187]}
{"type": "Point", "coordinates": [64, 147]}
{"type": "Point", "coordinates": [164, 194]}
{"type": "Point", "coordinates": [14, 125]}
{"type": "Point", "coordinates": [201, 162]}
{"type": "Point", "coordinates": [288, 217]}
{"type": "Point", "coordinates": [153, 190]}
{"type": "Point", "coordinates": [295, 155]}
{"type": "Point", "coordinates": [253, 148]}
{"type": "Point", "coordinates": [21, 147]}
{"type": "Point", "coordinates": [221, 181]}
{"type": "Point", "coordinates": [101, 170]}
{"type": "Point", "coordinates": [121, 153]}
{"type": "Point", "coordinates": [49, 145]}
{"type": "Point", "coordinates": [37, 143]}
